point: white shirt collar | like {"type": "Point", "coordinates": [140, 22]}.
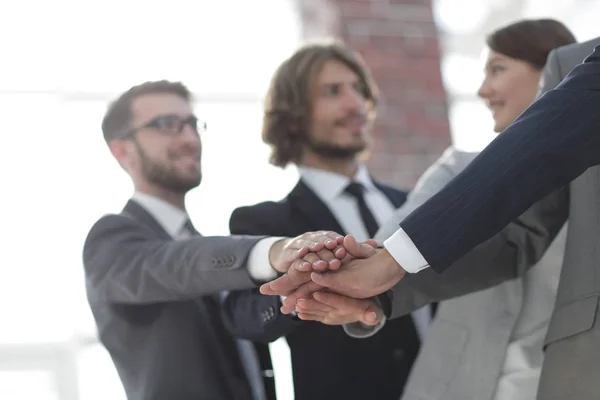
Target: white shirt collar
{"type": "Point", "coordinates": [329, 185]}
{"type": "Point", "coordinates": [167, 215]}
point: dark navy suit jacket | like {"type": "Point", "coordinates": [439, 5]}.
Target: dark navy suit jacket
{"type": "Point", "coordinates": [327, 363]}
{"type": "Point", "coordinates": [553, 142]}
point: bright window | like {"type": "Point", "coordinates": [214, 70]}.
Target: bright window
{"type": "Point", "coordinates": [69, 59]}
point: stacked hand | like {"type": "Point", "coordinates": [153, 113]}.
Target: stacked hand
{"type": "Point", "coordinates": [332, 282]}
{"type": "Point", "coordinates": [313, 250]}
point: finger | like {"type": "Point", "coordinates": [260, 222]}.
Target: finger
{"type": "Point", "coordinates": [311, 305]}
{"type": "Point", "coordinates": [327, 260]}
{"type": "Point", "coordinates": [357, 249]}
{"type": "Point", "coordinates": [345, 305]}
{"type": "Point", "coordinates": [311, 317]}
{"type": "Point", "coordinates": [335, 236]}
{"type": "Point", "coordinates": [286, 284]}
{"type": "Point", "coordinates": [362, 310]}
{"type": "Point", "coordinates": [286, 309]}
{"type": "Point", "coordinates": [340, 252]}
{"type": "Point", "coordinates": [351, 245]}
{"type": "Point", "coordinates": [280, 286]}
{"type": "Point", "coordinates": [339, 302]}
{"type": "Point", "coordinates": [328, 279]}
{"type": "Point", "coordinates": [328, 239]}
{"type": "Point", "coordinates": [370, 317]}
{"type": "Point", "coordinates": [304, 291]}
{"type": "Point", "coordinates": [320, 265]}
{"type": "Point", "coordinates": [289, 254]}
{"type": "Point", "coordinates": [302, 266]}
{"type": "Point", "coordinates": [317, 313]}
{"type": "Point", "coordinates": [327, 320]}
{"type": "Point", "coordinates": [334, 265]}
{"type": "Point", "coordinates": [372, 243]}
{"type": "Point", "coordinates": [306, 263]}
{"type": "Point", "coordinates": [302, 243]}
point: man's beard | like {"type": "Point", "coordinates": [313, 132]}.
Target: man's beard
{"type": "Point", "coordinates": [164, 177]}
{"type": "Point", "coordinates": [331, 150]}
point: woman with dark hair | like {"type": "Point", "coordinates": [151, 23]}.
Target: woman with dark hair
{"type": "Point", "coordinates": [516, 55]}
{"type": "Point", "coordinates": [486, 345]}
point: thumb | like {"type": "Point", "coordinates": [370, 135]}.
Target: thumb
{"type": "Point", "coordinates": [371, 242]}
{"type": "Point", "coordinates": [356, 249]}
{"type": "Point", "coordinates": [371, 316]}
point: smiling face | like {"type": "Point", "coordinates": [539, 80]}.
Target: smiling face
{"type": "Point", "coordinates": [164, 151]}
{"type": "Point", "coordinates": [509, 87]}
{"type": "Point", "coordinates": [339, 113]}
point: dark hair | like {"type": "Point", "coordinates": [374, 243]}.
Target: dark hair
{"type": "Point", "coordinates": [530, 40]}
{"type": "Point", "coordinates": [118, 116]}
{"type": "Point", "coordinates": [287, 105]}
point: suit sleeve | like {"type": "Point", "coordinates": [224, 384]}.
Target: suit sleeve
{"type": "Point", "coordinates": [248, 314]}
{"type": "Point", "coordinates": [530, 234]}
{"type": "Point", "coordinates": [126, 262]}
{"type": "Point", "coordinates": [505, 256]}
{"type": "Point", "coordinates": [553, 142]}
{"type": "Point", "coordinates": [436, 177]}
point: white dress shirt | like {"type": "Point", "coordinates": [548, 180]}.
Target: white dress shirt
{"type": "Point", "coordinates": [330, 186]}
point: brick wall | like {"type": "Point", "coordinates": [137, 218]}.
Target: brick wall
{"type": "Point", "coordinates": [398, 40]}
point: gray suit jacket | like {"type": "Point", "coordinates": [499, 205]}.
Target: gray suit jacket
{"type": "Point", "coordinates": [153, 301]}
{"type": "Point", "coordinates": [467, 343]}
{"type": "Point", "coordinates": [571, 367]}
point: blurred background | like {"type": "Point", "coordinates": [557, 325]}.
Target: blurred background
{"type": "Point", "coordinates": [64, 60]}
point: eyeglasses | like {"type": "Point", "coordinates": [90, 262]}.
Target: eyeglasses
{"type": "Point", "coordinates": [171, 125]}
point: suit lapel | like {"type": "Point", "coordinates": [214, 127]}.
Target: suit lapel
{"type": "Point", "coordinates": [138, 212]}
{"type": "Point", "coordinates": [314, 211]}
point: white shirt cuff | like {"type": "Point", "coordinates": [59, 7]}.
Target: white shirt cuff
{"type": "Point", "coordinates": [404, 251]}
{"type": "Point", "coordinates": [259, 267]}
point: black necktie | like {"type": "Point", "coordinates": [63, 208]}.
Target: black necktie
{"type": "Point", "coordinates": [356, 190]}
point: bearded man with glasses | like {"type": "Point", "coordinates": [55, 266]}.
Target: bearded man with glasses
{"type": "Point", "coordinates": [153, 281]}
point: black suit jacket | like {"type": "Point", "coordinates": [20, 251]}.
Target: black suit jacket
{"type": "Point", "coordinates": [151, 299]}
{"type": "Point", "coordinates": [327, 363]}
{"type": "Point", "coordinates": [553, 142]}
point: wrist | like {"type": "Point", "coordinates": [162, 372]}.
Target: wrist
{"type": "Point", "coordinates": [275, 252]}
{"type": "Point", "coordinates": [393, 270]}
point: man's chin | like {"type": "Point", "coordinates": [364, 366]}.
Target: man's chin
{"type": "Point", "coordinates": [182, 186]}
{"type": "Point", "coordinates": [337, 152]}
{"type": "Point", "coordinates": [194, 183]}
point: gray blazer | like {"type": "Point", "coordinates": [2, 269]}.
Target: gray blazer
{"type": "Point", "coordinates": [571, 367]}
{"type": "Point", "coordinates": [572, 360]}
{"type": "Point", "coordinates": [152, 299]}
{"type": "Point", "coordinates": [467, 343]}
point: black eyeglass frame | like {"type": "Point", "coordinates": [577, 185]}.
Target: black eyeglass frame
{"type": "Point", "coordinates": [162, 122]}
